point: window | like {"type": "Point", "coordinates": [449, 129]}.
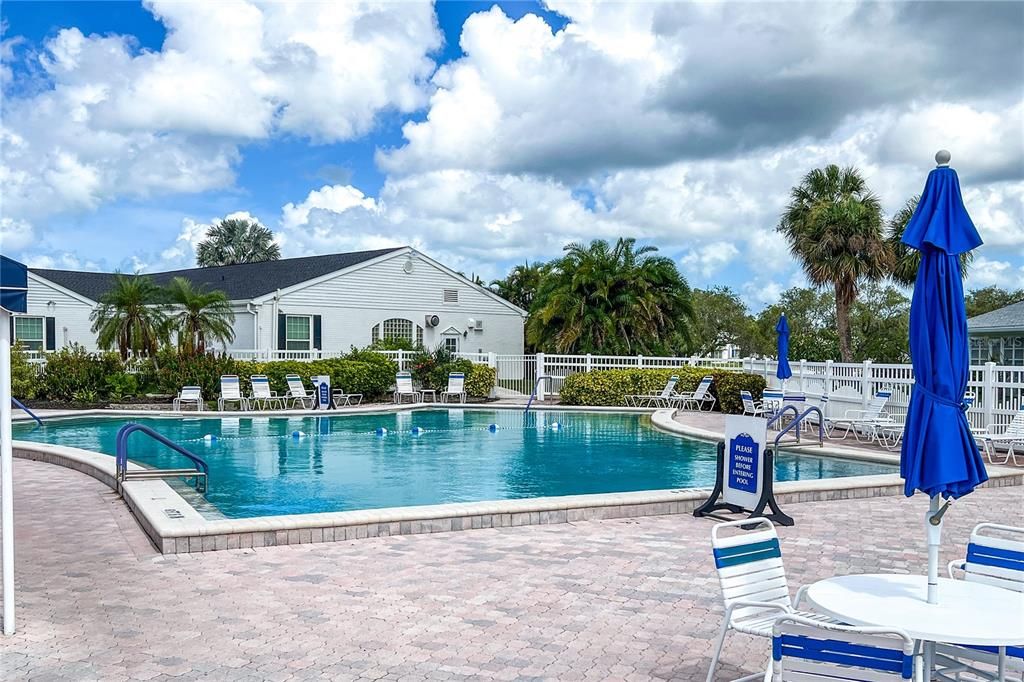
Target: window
{"type": "Point", "coordinates": [397, 328]}
{"type": "Point", "coordinates": [29, 331]}
{"type": "Point", "coordinates": [451, 295]}
{"type": "Point", "coordinates": [297, 332]}
{"type": "Point", "coordinates": [451, 344]}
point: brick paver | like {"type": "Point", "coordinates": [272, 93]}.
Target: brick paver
{"type": "Point", "coordinates": [627, 599]}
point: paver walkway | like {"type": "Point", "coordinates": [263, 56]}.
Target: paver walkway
{"type": "Point", "coordinates": [623, 599]}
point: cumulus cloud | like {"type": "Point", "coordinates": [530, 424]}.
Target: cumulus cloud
{"type": "Point", "coordinates": [710, 258]}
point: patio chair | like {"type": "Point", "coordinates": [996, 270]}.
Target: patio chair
{"type": "Point", "coordinates": [995, 556]}
{"type": "Point", "coordinates": [868, 420]}
{"type": "Point", "coordinates": [297, 393]}
{"type": "Point", "coordinates": [342, 399]}
{"type": "Point", "coordinates": [698, 398]}
{"type": "Point", "coordinates": [751, 407]}
{"type": "Point", "coordinates": [262, 396]}
{"type": "Point", "coordinates": [753, 582]}
{"type": "Point", "coordinates": [890, 435]}
{"type": "Point", "coordinates": [403, 388]}
{"type": "Point", "coordinates": [189, 394]}
{"type": "Point", "coordinates": [654, 399]}
{"type": "Point", "coordinates": [1011, 435]}
{"type": "Point", "coordinates": [806, 650]}
{"type": "Point", "coordinates": [231, 392]}
{"type": "Point", "coordinates": [456, 387]}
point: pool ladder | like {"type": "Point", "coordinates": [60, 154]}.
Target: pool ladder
{"type": "Point", "coordinates": [533, 395]}
{"type": "Point", "coordinates": [17, 403]}
{"type": "Point", "coordinates": [200, 471]}
{"type": "Point", "coordinates": [798, 420]}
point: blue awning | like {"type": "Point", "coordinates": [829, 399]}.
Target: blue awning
{"type": "Point", "coordinates": [13, 285]}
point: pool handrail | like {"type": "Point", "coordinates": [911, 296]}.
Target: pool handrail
{"type": "Point", "coordinates": [778, 415]}
{"type": "Point", "coordinates": [796, 424]}
{"type": "Point", "coordinates": [17, 403]}
{"type": "Point", "coordinates": [202, 469]}
{"type": "Point", "coordinates": [534, 394]}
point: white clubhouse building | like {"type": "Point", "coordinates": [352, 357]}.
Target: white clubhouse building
{"type": "Point", "coordinates": [303, 307]}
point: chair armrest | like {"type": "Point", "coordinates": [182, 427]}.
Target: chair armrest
{"type": "Point", "coordinates": [755, 604]}
{"type": "Point", "coordinates": [800, 596]}
{"type": "Point", "coordinates": [956, 565]}
{"type": "Point", "coordinates": [852, 414]}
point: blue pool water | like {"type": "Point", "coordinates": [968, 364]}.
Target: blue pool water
{"type": "Point", "coordinates": [258, 468]}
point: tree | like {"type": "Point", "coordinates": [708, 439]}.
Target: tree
{"type": "Point", "coordinates": [906, 260]}
{"type": "Point", "coordinates": [520, 285]}
{"type": "Point", "coordinates": [130, 316]}
{"type": "Point", "coordinates": [881, 324]}
{"type": "Point", "coordinates": [198, 316]}
{"type": "Point", "coordinates": [619, 299]}
{"type": "Point", "coordinates": [720, 318]}
{"type": "Point", "coordinates": [812, 325]}
{"type": "Point", "coordinates": [235, 240]}
{"type": "Point", "coordinates": [980, 301]}
{"type": "Point", "coordinates": [833, 224]}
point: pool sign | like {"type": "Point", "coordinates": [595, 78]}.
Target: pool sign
{"type": "Point", "coordinates": [322, 391]}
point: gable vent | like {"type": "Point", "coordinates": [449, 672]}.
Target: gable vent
{"type": "Point", "coordinates": [451, 295]}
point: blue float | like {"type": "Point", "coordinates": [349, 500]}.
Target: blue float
{"type": "Point", "coordinates": [210, 438]}
{"type": "Point", "coordinates": [555, 426]}
{"type": "Point", "coordinates": [381, 431]}
{"type": "Point", "coordinates": [298, 434]}
{"type": "Point", "coordinates": [492, 428]}
{"type": "Point", "coordinates": [417, 430]}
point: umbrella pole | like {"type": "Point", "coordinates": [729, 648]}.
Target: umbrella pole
{"type": "Point", "coordinates": [933, 527]}
{"type": "Point", "coordinates": [6, 473]}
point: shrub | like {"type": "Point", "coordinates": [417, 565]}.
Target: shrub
{"type": "Point", "coordinates": [372, 375]}
{"type": "Point", "coordinates": [73, 370]}
{"type": "Point", "coordinates": [611, 386]}
{"type": "Point", "coordinates": [176, 370]}
{"type": "Point", "coordinates": [26, 379]}
{"type": "Point", "coordinates": [120, 385]}
{"type": "Point", "coordinates": [480, 379]}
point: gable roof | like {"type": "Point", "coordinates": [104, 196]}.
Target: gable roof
{"type": "Point", "coordinates": [239, 282]}
{"type": "Point", "coordinates": [1009, 318]}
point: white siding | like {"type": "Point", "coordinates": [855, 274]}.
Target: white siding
{"type": "Point", "coordinates": [71, 315]}
{"type": "Point", "coordinates": [245, 338]}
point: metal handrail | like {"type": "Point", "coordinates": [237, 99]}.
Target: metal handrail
{"type": "Point", "coordinates": [121, 458]}
{"type": "Point", "coordinates": [17, 403]}
{"type": "Point", "coordinates": [778, 415]}
{"type": "Point", "coordinates": [799, 420]}
{"type": "Point", "coordinates": [534, 394]}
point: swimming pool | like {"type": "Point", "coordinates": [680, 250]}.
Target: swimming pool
{"type": "Point", "coordinates": [258, 467]}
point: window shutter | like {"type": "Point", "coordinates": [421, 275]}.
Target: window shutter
{"type": "Point", "coordinates": [317, 333]}
{"type": "Point", "coordinates": [282, 331]}
{"type": "Point", "coordinates": [50, 335]}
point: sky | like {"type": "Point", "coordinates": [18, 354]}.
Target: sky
{"type": "Point", "coordinates": [489, 134]}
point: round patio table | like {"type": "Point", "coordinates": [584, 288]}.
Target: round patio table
{"type": "Point", "coordinates": [967, 612]}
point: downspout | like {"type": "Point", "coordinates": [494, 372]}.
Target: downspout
{"type": "Point", "coordinates": [277, 314]}
{"type": "Point", "coordinates": [255, 326]}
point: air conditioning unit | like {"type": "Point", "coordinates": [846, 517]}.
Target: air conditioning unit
{"type": "Point", "coordinates": [432, 320]}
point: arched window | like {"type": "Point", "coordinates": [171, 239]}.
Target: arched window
{"type": "Point", "coordinates": [397, 328]}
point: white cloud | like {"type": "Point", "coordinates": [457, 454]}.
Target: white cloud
{"type": "Point", "coordinates": [332, 198]}
{"type": "Point", "coordinates": [710, 258]}
{"type": "Point", "coordinates": [15, 234]}
{"type": "Point", "coordinates": [986, 272]}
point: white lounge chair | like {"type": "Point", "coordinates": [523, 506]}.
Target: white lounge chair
{"type": "Point", "coordinates": [868, 421]}
{"type": "Point", "coordinates": [231, 392]}
{"type": "Point", "coordinates": [654, 399]}
{"type": "Point", "coordinates": [805, 650]}
{"type": "Point", "coordinates": [751, 407]}
{"type": "Point", "coordinates": [456, 387]}
{"type": "Point", "coordinates": [297, 393]}
{"type": "Point", "coordinates": [1011, 435]}
{"type": "Point", "coordinates": [771, 401]}
{"type": "Point", "coordinates": [698, 398]}
{"type": "Point", "coordinates": [189, 394]}
{"type": "Point", "coordinates": [262, 396]}
{"type": "Point", "coordinates": [995, 556]}
{"type": "Point", "coordinates": [403, 388]}
{"type": "Point", "coordinates": [890, 434]}
{"type": "Point", "coordinates": [342, 399]}
{"type": "Point", "coordinates": [753, 581]}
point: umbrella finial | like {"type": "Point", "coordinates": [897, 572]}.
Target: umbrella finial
{"type": "Point", "coordinates": [942, 158]}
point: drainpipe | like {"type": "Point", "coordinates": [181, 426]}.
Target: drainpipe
{"type": "Point", "coordinates": [255, 326]}
{"type": "Point", "coordinates": [274, 330]}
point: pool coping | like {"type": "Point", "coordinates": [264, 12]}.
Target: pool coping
{"type": "Point", "coordinates": [174, 526]}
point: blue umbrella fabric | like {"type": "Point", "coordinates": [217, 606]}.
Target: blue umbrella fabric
{"type": "Point", "coordinates": [782, 329]}
{"type": "Point", "coordinates": [939, 455]}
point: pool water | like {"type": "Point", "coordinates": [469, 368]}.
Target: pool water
{"type": "Point", "coordinates": [258, 467]}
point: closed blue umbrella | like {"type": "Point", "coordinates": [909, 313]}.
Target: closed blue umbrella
{"type": "Point", "coordinates": [939, 455]}
{"type": "Point", "coordinates": [782, 329]}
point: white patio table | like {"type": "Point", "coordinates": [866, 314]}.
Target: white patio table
{"type": "Point", "coordinates": [967, 612]}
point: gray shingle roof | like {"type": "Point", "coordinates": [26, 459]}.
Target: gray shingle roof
{"type": "Point", "coordinates": [1010, 318]}
{"type": "Point", "coordinates": [239, 282]}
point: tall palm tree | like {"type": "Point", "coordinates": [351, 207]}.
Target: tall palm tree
{"type": "Point", "coordinates": [610, 299]}
{"type": "Point", "coordinates": [235, 240]}
{"type": "Point", "coordinates": [130, 316]}
{"type": "Point", "coordinates": [520, 285]}
{"type": "Point", "coordinates": [905, 259]}
{"type": "Point", "coordinates": [833, 224]}
{"type": "Point", "coordinates": [198, 316]}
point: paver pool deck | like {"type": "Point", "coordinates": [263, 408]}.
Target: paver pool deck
{"type": "Point", "coordinates": [628, 599]}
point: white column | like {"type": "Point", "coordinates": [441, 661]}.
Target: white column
{"type": "Point", "coordinates": [988, 397]}
{"type": "Point", "coordinates": [829, 374]}
{"type": "Point", "coordinates": [865, 384]}
{"type": "Point", "coordinates": [6, 472]}
{"type": "Point", "coordinates": [540, 373]}
{"type": "Point", "coordinates": [803, 370]}
{"type": "Point", "coordinates": [590, 362]}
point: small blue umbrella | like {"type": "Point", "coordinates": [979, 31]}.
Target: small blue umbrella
{"type": "Point", "coordinates": [782, 329]}
{"type": "Point", "coordinates": [939, 455]}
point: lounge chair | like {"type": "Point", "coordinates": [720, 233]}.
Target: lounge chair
{"type": "Point", "coordinates": [297, 394]}
{"type": "Point", "coordinates": [753, 582]}
{"type": "Point", "coordinates": [342, 399]}
{"type": "Point", "coordinates": [890, 434]}
{"type": "Point", "coordinates": [805, 650]}
{"type": "Point", "coordinates": [456, 387]}
{"type": "Point", "coordinates": [751, 407]}
{"type": "Point", "coordinates": [869, 421]}
{"type": "Point", "coordinates": [995, 556]}
{"type": "Point", "coordinates": [403, 388]}
{"type": "Point", "coordinates": [231, 392]}
{"type": "Point", "coordinates": [654, 399]}
{"type": "Point", "coordinates": [698, 398]}
{"type": "Point", "coordinates": [1011, 435]}
{"type": "Point", "coordinates": [262, 396]}
{"type": "Point", "coordinates": [189, 394]}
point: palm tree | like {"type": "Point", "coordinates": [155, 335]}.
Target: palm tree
{"type": "Point", "coordinates": [235, 240]}
{"type": "Point", "coordinates": [905, 259]}
{"type": "Point", "coordinates": [833, 224]}
{"type": "Point", "coordinates": [198, 316]}
{"type": "Point", "coordinates": [520, 285]}
{"type": "Point", "coordinates": [606, 299]}
{"type": "Point", "coordinates": [130, 316]}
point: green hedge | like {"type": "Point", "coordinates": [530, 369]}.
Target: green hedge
{"type": "Point", "coordinates": [26, 378]}
{"type": "Point", "coordinates": [372, 378]}
{"type": "Point", "coordinates": [480, 379]}
{"type": "Point", "coordinates": [73, 373]}
{"type": "Point", "coordinates": [611, 386]}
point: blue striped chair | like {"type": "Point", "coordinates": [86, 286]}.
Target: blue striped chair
{"type": "Point", "coordinates": [995, 556]}
{"type": "Point", "coordinates": [807, 651]}
{"type": "Point", "coordinates": [753, 582]}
